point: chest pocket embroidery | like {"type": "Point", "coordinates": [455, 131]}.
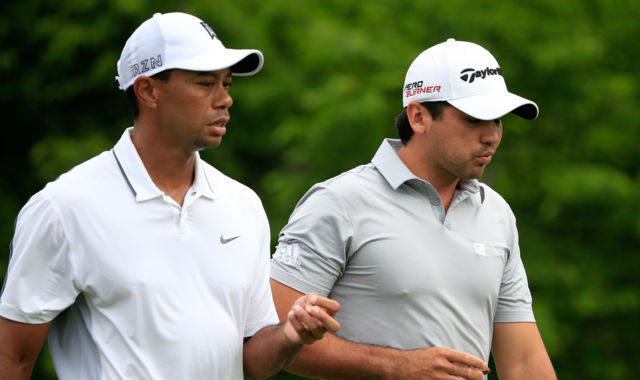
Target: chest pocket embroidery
{"type": "Point", "coordinates": [483, 249]}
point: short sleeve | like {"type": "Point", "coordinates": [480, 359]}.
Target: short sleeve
{"type": "Point", "coordinates": [312, 248]}
{"type": "Point", "coordinates": [262, 311]}
{"type": "Point", "coordinates": [514, 300]}
{"type": "Point", "coordinates": [39, 281]}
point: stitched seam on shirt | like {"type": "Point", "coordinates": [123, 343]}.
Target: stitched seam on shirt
{"type": "Point", "coordinates": [348, 221]}
{"type": "Point", "coordinates": [58, 215]}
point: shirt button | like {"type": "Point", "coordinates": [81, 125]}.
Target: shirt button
{"type": "Point", "coordinates": [435, 201]}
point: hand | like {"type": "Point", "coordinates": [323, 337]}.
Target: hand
{"type": "Point", "coordinates": [310, 317]}
{"type": "Point", "coordinates": [443, 363]}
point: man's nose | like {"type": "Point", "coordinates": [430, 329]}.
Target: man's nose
{"type": "Point", "coordinates": [224, 100]}
{"type": "Point", "coordinates": [491, 132]}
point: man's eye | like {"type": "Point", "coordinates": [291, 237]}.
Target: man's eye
{"type": "Point", "coordinates": [227, 85]}
{"type": "Point", "coordinates": [207, 84]}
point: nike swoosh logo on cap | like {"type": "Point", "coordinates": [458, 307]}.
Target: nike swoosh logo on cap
{"type": "Point", "coordinates": [225, 241]}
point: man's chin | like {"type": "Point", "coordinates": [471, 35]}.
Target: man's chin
{"type": "Point", "coordinates": [474, 174]}
{"type": "Point", "coordinates": [209, 143]}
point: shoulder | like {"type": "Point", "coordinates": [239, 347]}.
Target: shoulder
{"type": "Point", "coordinates": [339, 196]}
{"type": "Point", "coordinates": [493, 200]}
{"type": "Point", "coordinates": [72, 192]}
{"type": "Point", "coordinates": [349, 183]}
{"type": "Point", "coordinates": [90, 177]}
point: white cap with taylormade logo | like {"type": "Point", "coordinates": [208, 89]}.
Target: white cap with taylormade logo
{"type": "Point", "coordinates": [466, 76]}
{"type": "Point", "coordinates": [180, 41]}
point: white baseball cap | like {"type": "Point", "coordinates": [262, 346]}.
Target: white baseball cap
{"type": "Point", "coordinates": [466, 76]}
{"type": "Point", "coordinates": [180, 41]}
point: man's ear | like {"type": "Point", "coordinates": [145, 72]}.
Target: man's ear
{"type": "Point", "coordinates": [419, 117]}
{"type": "Point", "coordinates": [146, 91]}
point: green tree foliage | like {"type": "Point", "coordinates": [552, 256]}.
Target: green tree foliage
{"type": "Point", "coordinates": [328, 94]}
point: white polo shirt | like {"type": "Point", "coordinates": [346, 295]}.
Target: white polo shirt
{"type": "Point", "coordinates": [141, 288]}
{"type": "Point", "coordinates": [407, 274]}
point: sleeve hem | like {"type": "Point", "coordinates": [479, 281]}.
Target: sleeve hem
{"type": "Point", "coordinates": [515, 316]}
{"type": "Point", "coordinates": [286, 279]}
{"type": "Point", "coordinates": [252, 329]}
{"type": "Point", "coordinates": [18, 316]}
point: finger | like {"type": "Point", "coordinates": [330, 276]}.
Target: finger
{"type": "Point", "coordinates": [313, 325]}
{"type": "Point", "coordinates": [328, 322]}
{"type": "Point", "coordinates": [295, 323]}
{"type": "Point", "coordinates": [466, 372]}
{"type": "Point", "coordinates": [331, 306]}
{"type": "Point", "coordinates": [300, 334]}
{"type": "Point", "coordinates": [468, 360]}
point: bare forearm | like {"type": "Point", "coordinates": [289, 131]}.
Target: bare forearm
{"type": "Point", "coordinates": [19, 348]}
{"type": "Point", "coordinates": [534, 367]}
{"type": "Point", "coordinates": [519, 352]}
{"type": "Point", "coordinates": [334, 358]}
{"type": "Point", "coordinates": [11, 368]}
{"type": "Point", "coordinates": [268, 352]}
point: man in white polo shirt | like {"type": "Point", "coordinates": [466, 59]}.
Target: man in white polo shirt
{"type": "Point", "coordinates": [146, 262]}
{"type": "Point", "coordinates": [422, 257]}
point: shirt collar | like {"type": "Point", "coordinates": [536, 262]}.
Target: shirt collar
{"type": "Point", "coordinates": [388, 163]}
{"type": "Point", "coordinates": [396, 173]}
{"type": "Point", "coordinates": [138, 178]}
{"type": "Point", "coordinates": [202, 184]}
{"type": "Point", "coordinates": [468, 187]}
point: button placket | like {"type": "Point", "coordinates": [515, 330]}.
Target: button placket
{"type": "Point", "coordinates": [183, 224]}
{"type": "Point", "coordinates": [190, 197]}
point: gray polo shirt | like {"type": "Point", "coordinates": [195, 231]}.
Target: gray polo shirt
{"type": "Point", "coordinates": [407, 274]}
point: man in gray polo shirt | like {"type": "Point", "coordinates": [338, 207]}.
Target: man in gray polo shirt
{"type": "Point", "coordinates": [422, 257]}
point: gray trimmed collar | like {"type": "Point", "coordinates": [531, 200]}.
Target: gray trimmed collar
{"type": "Point", "coordinates": [391, 167]}
{"type": "Point", "coordinates": [138, 178]}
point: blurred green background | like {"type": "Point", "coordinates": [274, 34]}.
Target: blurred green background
{"type": "Point", "coordinates": [327, 96]}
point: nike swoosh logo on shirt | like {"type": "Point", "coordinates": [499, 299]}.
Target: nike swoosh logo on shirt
{"type": "Point", "coordinates": [225, 241]}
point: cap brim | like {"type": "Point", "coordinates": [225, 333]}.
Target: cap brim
{"type": "Point", "coordinates": [243, 62]}
{"type": "Point", "coordinates": [495, 105]}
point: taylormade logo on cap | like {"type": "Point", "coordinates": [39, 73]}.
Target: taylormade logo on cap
{"type": "Point", "coordinates": [466, 76]}
{"type": "Point", "coordinates": [180, 41]}
{"type": "Point", "coordinates": [469, 75]}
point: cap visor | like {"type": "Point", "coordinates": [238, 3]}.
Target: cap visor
{"type": "Point", "coordinates": [243, 62]}
{"type": "Point", "coordinates": [495, 105]}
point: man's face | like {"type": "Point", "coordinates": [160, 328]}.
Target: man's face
{"type": "Point", "coordinates": [460, 145]}
{"type": "Point", "coordinates": [194, 107]}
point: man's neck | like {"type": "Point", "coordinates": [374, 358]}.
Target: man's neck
{"type": "Point", "coordinates": [444, 183]}
{"type": "Point", "coordinates": [171, 169]}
